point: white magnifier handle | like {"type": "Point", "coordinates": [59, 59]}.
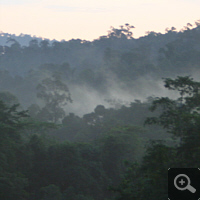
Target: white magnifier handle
{"type": "Point", "coordinates": [191, 189]}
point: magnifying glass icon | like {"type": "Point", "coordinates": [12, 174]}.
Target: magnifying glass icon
{"type": "Point", "coordinates": [184, 182]}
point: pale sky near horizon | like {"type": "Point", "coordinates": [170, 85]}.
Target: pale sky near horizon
{"type": "Point", "coordinates": [89, 19]}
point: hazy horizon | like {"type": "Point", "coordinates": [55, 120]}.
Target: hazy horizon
{"type": "Point", "coordinates": [88, 20]}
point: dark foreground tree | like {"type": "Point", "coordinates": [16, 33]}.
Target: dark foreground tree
{"type": "Point", "coordinates": [12, 182]}
{"type": "Point", "coordinates": [181, 118]}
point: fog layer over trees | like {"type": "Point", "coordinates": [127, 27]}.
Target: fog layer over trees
{"type": "Point", "coordinates": [115, 66]}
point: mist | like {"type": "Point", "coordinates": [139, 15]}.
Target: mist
{"type": "Point", "coordinates": [112, 71]}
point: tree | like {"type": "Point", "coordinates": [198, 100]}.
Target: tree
{"type": "Point", "coordinates": [12, 182]}
{"type": "Point", "coordinates": [51, 192]}
{"type": "Point", "coordinates": [44, 44]}
{"type": "Point", "coordinates": [181, 118]}
{"type": "Point", "coordinates": [123, 32]}
{"type": "Point", "coordinates": [147, 180]}
{"type": "Point", "coordinates": [34, 44]}
{"type": "Point", "coordinates": [15, 46]}
{"type": "Point", "coordinates": [55, 95]}
{"type": "Point", "coordinates": [119, 144]}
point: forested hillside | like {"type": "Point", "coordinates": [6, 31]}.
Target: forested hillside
{"type": "Point", "coordinates": [111, 67]}
{"type": "Point", "coordinates": [98, 120]}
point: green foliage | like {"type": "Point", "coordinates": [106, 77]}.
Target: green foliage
{"type": "Point", "coordinates": [10, 122]}
{"type": "Point", "coordinates": [89, 153]}
{"type": "Point", "coordinates": [12, 186]}
{"type": "Point", "coordinates": [55, 94]}
{"type": "Point", "coordinates": [51, 192]}
{"type": "Point", "coordinates": [48, 169]}
{"type": "Point", "coordinates": [12, 182]}
{"type": "Point", "coordinates": [182, 119]}
{"type": "Point", "coordinates": [148, 180]}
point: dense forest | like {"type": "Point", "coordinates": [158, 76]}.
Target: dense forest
{"type": "Point", "coordinates": [101, 119]}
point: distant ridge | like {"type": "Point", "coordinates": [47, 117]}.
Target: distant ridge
{"type": "Point", "coordinates": [23, 39]}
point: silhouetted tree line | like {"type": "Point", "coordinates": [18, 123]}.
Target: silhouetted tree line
{"type": "Point", "coordinates": [117, 52]}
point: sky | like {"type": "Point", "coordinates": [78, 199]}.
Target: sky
{"type": "Point", "coordinates": [90, 19]}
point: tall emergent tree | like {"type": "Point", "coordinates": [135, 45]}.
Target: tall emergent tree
{"type": "Point", "coordinates": [123, 32]}
{"type": "Point", "coordinates": [55, 95]}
